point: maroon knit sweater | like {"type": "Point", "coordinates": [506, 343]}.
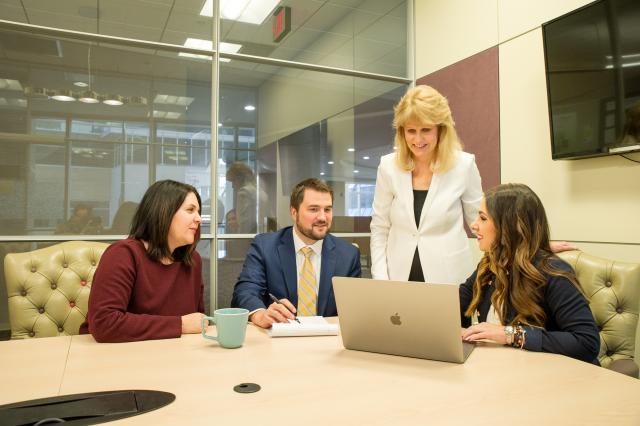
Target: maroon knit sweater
{"type": "Point", "coordinates": [135, 298]}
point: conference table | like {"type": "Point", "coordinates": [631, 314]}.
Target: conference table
{"type": "Point", "coordinates": [316, 381]}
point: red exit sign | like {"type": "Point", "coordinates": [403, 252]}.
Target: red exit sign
{"type": "Point", "coordinates": [281, 23]}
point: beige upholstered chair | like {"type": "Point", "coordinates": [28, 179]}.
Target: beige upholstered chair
{"type": "Point", "coordinates": [48, 289]}
{"type": "Point", "coordinates": [613, 289]}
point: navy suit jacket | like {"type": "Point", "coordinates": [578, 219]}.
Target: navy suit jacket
{"type": "Point", "coordinates": [270, 267]}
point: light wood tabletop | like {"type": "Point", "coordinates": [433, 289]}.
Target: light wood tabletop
{"type": "Point", "coordinates": [315, 381]}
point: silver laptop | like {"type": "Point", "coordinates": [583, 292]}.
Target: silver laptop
{"type": "Point", "coordinates": [401, 318]}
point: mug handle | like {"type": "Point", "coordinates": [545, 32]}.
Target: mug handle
{"type": "Point", "coordinates": [204, 330]}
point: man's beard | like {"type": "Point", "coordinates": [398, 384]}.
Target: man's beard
{"type": "Point", "coordinates": [310, 232]}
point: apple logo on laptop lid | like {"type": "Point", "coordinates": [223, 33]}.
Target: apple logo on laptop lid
{"type": "Point", "coordinates": [395, 319]}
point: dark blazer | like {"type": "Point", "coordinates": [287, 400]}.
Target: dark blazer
{"type": "Point", "coordinates": [569, 329]}
{"type": "Point", "coordinates": [270, 267]}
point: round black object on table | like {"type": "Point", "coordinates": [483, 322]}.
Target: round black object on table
{"type": "Point", "coordinates": [246, 388]}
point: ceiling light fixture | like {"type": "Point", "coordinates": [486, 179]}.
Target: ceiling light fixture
{"type": "Point", "coordinates": [329, 162]}
{"type": "Point", "coordinates": [88, 96]}
{"type": "Point", "coordinates": [351, 149]}
{"type": "Point", "coordinates": [113, 100]}
{"type": "Point", "coordinates": [64, 95]}
{"type": "Point", "coordinates": [249, 108]}
{"type": "Point", "coordinates": [366, 157]}
{"type": "Point", "coordinates": [251, 12]}
{"type": "Point", "coordinates": [80, 84]}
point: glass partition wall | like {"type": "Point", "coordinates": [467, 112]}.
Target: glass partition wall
{"type": "Point", "coordinates": [100, 99]}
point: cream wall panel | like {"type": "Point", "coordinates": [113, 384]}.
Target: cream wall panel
{"type": "Point", "coordinates": [516, 17]}
{"type": "Point", "coordinates": [587, 200]}
{"type": "Point", "coordinates": [449, 31]}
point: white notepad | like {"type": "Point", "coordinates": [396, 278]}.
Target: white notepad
{"type": "Point", "coordinates": [308, 326]}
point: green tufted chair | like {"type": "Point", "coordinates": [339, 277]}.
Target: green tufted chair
{"type": "Point", "coordinates": [613, 289]}
{"type": "Point", "coordinates": [48, 288]}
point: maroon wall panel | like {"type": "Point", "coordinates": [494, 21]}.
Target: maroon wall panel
{"type": "Point", "coordinates": [471, 86]}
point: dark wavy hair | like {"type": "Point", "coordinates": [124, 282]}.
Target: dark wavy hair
{"type": "Point", "coordinates": [519, 260]}
{"type": "Point", "coordinates": [153, 217]}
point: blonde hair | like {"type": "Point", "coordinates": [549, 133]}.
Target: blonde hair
{"type": "Point", "coordinates": [425, 105]}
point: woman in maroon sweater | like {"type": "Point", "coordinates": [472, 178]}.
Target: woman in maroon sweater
{"type": "Point", "coordinates": [149, 286]}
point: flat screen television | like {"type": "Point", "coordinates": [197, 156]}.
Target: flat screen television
{"type": "Point", "coordinates": [592, 59]}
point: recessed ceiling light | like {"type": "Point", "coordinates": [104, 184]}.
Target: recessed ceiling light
{"type": "Point", "coordinates": [251, 12]}
{"type": "Point", "coordinates": [198, 43]}
{"type": "Point", "coordinates": [329, 162]}
{"type": "Point", "coordinates": [366, 157]}
{"type": "Point", "coordinates": [321, 173]}
{"type": "Point", "coordinates": [249, 108]}
{"type": "Point", "coordinates": [219, 124]}
{"type": "Point", "coordinates": [173, 100]}
{"type": "Point", "coordinates": [351, 149]}
{"type": "Point", "coordinates": [9, 84]}
{"type": "Point", "coordinates": [356, 171]}
{"type": "Point", "coordinates": [81, 84]}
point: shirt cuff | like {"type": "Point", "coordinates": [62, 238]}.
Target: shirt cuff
{"type": "Point", "coordinates": [254, 311]}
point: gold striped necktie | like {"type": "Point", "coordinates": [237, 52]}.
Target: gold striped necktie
{"type": "Point", "coordinates": [307, 296]}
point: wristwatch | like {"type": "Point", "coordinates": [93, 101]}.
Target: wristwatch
{"type": "Point", "coordinates": [508, 331]}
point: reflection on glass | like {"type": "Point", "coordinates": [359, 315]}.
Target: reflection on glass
{"type": "Point", "coordinates": [162, 21]}
{"type": "Point", "coordinates": [72, 167]}
{"type": "Point", "coordinates": [307, 124]}
{"type": "Point", "coordinates": [370, 36]}
{"type": "Point", "coordinates": [82, 221]}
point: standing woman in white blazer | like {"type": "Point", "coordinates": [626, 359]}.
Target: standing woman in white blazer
{"type": "Point", "coordinates": [423, 192]}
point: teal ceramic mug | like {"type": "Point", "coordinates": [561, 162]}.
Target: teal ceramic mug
{"type": "Point", "coordinates": [231, 324]}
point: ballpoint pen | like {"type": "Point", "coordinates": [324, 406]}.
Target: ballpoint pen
{"type": "Point", "coordinates": [276, 300]}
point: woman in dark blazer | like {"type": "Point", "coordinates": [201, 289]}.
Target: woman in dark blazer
{"type": "Point", "coordinates": [521, 294]}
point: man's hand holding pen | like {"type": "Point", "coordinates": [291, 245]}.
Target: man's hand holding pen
{"type": "Point", "coordinates": [281, 310]}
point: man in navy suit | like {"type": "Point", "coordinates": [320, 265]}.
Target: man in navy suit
{"type": "Point", "coordinates": [275, 261]}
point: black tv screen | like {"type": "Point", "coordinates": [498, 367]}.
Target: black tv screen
{"type": "Point", "coordinates": [592, 58]}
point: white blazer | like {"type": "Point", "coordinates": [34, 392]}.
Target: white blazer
{"type": "Point", "coordinates": [442, 243]}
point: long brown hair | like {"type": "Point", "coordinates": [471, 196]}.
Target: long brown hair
{"type": "Point", "coordinates": [152, 220]}
{"type": "Point", "coordinates": [518, 262]}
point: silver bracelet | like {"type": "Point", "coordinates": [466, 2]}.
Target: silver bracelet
{"type": "Point", "coordinates": [508, 331]}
